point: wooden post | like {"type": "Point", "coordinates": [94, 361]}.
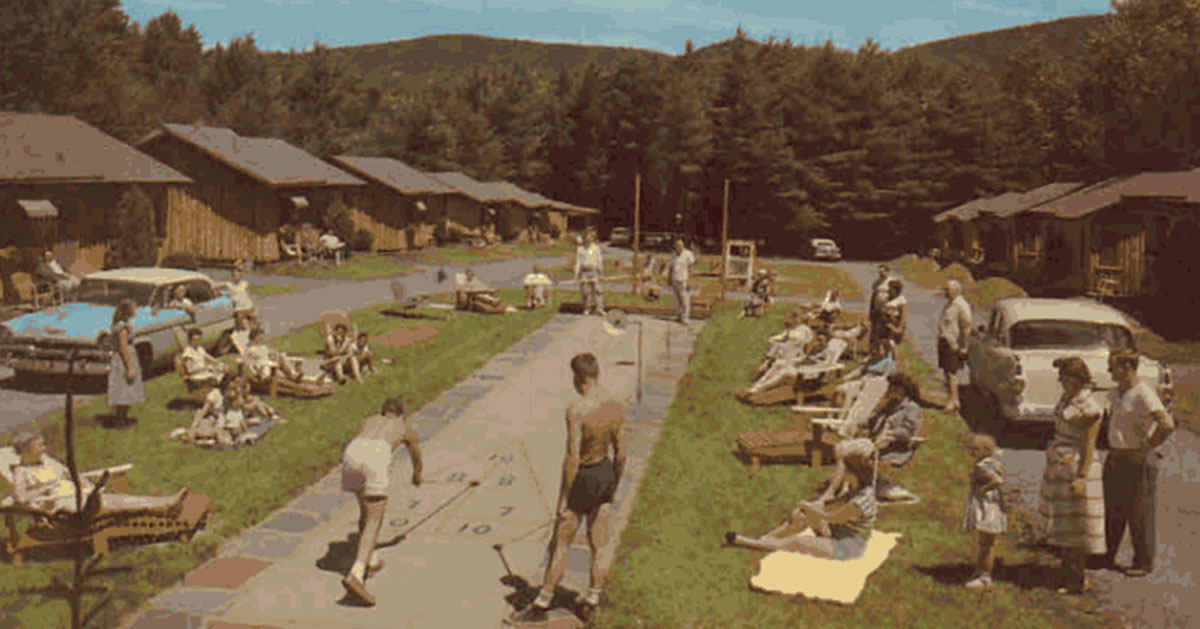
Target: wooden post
{"type": "Point", "coordinates": [724, 238]}
{"type": "Point", "coordinates": [637, 231]}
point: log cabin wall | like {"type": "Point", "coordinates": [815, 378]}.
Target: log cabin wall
{"type": "Point", "coordinates": [224, 216]}
{"type": "Point", "coordinates": [384, 213]}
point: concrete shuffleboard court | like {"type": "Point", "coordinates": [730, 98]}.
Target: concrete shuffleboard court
{"type": "Point", "coordinates": [503, 427]}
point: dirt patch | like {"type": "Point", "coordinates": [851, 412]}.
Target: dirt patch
{"type": "Point", "coordinates": [403, 337]}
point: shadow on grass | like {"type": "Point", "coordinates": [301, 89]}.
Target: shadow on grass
{"type": "Point", "coordinates": [1027, 576]}
{"type": "Point", "coordinates": [982, 417]}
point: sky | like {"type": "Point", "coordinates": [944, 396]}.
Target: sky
{"type": "Point", "coordinates": [663, 25]}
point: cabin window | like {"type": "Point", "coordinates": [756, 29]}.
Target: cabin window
{"type": "Point", "coordinates": [1108, 243]}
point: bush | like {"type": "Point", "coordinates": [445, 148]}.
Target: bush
{"type": "Point", "coordinates": [362, 240]}
{"type": "Point", "coordinates": [133, 225]}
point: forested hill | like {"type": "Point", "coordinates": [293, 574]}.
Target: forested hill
{"type": "Point", "coordinates": [1065, 37]}
{"type": "Point", "coordinates": [410, 62]}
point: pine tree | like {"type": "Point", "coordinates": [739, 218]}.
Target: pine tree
{"type": "Point", "coordinates": [135, 237]}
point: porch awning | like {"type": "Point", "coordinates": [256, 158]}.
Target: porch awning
{"type": "Point", "coordinates": [38, 208]}
{"type": "Point", "coordinates": [299, 202]}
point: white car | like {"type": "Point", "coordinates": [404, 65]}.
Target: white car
{"type": "Point", "coordinates": [824, 249]}
{"type": "Point", "coordinates": [620, 237]}
{"type": "Point", "coordinates": [1011, 357]}
{"type": "Point", "coordinates": [39, 343]}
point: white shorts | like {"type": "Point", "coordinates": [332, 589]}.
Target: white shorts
{"type": "Point", "coordinates": [365, 465]}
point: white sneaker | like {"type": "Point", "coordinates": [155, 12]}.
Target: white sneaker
{"type": "Point", "coordinates": [982, 580]}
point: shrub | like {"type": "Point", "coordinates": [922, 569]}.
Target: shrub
{"type": "Point", "coordinates": [136, 235]}
{"type": "Point", "coordinates": [362, 240]}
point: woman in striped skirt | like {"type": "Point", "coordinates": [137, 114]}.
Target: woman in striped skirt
{"type": "Point", "coordinates": [1072, 499]}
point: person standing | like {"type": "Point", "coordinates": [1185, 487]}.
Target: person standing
{"type": "Point", "coordinates": [1138, 424]}
{"type": "Point", "coordinates": [589, 269]}
{"type": "Point", "coordinates": [954, 329]}
{"type": "Point", "coordinates": [125, 387]}
{"type": "Point", "coordinates": [1072, 498]}
{"type": "Point", "coordinates": [878, 298]}
{"type": "Point", "coordinates": [239, 294]}
{"type": "Point", "coordinates": [365, 463]}
{"type": "Point", "coordinates": [681, 267]}
{"type": "Point", "coordinates": [589, 482]}
{"type": "Point", "coordinates": [894, 317]}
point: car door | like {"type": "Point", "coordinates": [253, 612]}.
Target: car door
{"type": "Point", "coordinates": [982, 352]}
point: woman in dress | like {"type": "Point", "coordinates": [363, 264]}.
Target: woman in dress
{"type": "Point", "coordinates": [1072, 496]}
{"type": "Point", "coordinates": [125, 387]}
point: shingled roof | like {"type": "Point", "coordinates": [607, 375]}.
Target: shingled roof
{"type": "Point", "coordinates": [1182, 185]}
{"type": "Point", "coordinates": [1011, 203]}
{"type": "Point", "coordinates": [270, 161]}
{"type": "Point", "coordinates": [964, 212]}
{"type": "Point", "coordinates": [481, 192]}
{"type": "Point", "coordinates": [45, 148]}
{"type": "Point", "coordinates": [394, 174]}
{"type": "Point", "coordinates": [1085, 200]}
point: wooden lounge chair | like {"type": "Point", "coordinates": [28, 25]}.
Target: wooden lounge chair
{"type": "Point", "coordinates": [829, 368]}
{"type": "Point", "coordinates": [30, 292]}
{"type": "Point", "coordinates": [466, 296]}
{"type": "Point", "coordinates": [816, 429]}
{"type": "Point", "coordinates": [51, 531]}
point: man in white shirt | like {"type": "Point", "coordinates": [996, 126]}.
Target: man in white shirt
{"type": "Point", "coordinates": [589, 269]}
{"type": "Point", "coordinates": [681, 267]}
{"type": "Point", "coordinates": [878, 297]}
{"type": "Point", "coordinates": [1138, 423]}
{"type": "Point", "coordinates": [954, 330]}
{"type": "Point", "coordinates": [50, 271]}
{"type": "Point", "coordinates": [332, 246]}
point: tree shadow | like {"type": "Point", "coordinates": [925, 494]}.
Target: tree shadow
{"type": "Point", "coordinates": [1027, 576]}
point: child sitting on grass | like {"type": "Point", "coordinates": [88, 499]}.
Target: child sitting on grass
{"type": "Point", "coordinates": [366, 357]}
{"type": "Point", "coordinates": [983, 510]}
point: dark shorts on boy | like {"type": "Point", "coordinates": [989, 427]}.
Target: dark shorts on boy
{"type": "Point", "coordinates": [594, 485]}
{"type": "Point", "coordinates": [948, 358]}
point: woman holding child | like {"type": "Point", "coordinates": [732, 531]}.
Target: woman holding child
{"type": "Point", "coordinates": [1072, 496]}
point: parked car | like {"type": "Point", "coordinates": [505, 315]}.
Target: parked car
{"type": "Point", "coordinates": [39, 343]}
{"type": "Point", "coordinates": [823, 249]}
{"type": "Point", "coordinates": [620, 237]}
{"type": "Point", "coordinates": [1011, 357]}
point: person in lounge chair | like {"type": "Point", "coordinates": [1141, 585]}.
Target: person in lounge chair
{"type": "Point", "coordinates": [262, 361]}
{"type": "Point", "coordinates": [43, 483]}
{"type": "Point", "coordinates": [49, 271]}
{"type": "Point", "coordinates": [760, 295]}
{"type": "Point", "coordinates": [200, 369]}
{"type": "Point", "coordinates": [841, 522]}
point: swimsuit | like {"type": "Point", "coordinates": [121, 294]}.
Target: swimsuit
{"type": "Point", "coordinates": [594, 485]}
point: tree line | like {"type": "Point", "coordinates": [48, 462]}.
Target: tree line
{"type": "Point", "coordinates": [864, 145]}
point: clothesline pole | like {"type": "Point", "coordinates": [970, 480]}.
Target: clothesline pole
{"type": "Point", "coordinates": [637, 231]}
{"type": "Point", "coordinates": [639, 365]}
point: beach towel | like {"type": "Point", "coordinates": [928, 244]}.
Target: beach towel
{"type": "Point", "coordinates": [832, 580]}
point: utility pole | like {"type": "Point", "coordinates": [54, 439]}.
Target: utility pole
{"type": "Point", "coordinates": [724, 238]}
{"type": "Point", "coordinates": [637, 233]}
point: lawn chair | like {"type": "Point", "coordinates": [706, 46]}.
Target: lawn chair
{"type": "Point", "coordinates": [65, 530]}
{"type": "Point", "coordinates": [830, 369]}
{"type": "Point", "coordinates": [294, 251]}
{"type": "Point", "coordinates": [816, 429]}
{"type": "Point", "coordinates": [466, 296]}
{"type": "Point", "coordinates": [28, 291]}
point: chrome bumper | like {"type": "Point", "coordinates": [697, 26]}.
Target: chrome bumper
{"type": "Point", "coordinates": [89, 361]}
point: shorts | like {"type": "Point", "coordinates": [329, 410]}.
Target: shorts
{"type": "Point", "coordinates": [365, 465]}
{"type": "Point", "coordinates": [594, 485]}
{"type": "Point", "coordinates": [948, 359]}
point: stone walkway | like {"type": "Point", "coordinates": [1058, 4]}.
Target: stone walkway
{"type": "Point", "coordinates": [502, 426]}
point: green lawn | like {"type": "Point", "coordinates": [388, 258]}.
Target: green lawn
{"type": "Point", "coordinates": [248, 484]}
{"type": "Point", "coordinates": [923, 272]}
{"type": "Point", "coordinates": [812, 280]}
{"type": "Point", "coordinates": [461, 254]}
{"type": "Point", "coordinates": [263, 290]}
{"type": "Point", "coordinates": [360, 266]}
{"type": "Point", "coordinates": [671, 569]}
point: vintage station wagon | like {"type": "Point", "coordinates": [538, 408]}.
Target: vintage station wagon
{"type": "Point", "coordinates": [39, 343]}
{"type": "Point", "coordinates": [1011, 357]}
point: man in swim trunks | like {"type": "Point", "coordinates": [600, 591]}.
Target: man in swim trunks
{"type": "Point", "coordinates": [365, 463]}
{"type": "Point", "coordinates": [589, 481]}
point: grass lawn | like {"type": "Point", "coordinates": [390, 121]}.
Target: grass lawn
{"type": "Point", "coordinates": [923, 272]}
{"type": "Point", "coordinates": [263, 290]}
{"type": "Point", "coordinates": [249, 484]}
{"type": "Point", "coordinates": [671, 569]}
{"type": "Point", "coordinates": [812, 280]}
{"type": "Point", "coordinates": [360, 266]}
{"type": "Point", "coordinates": [460, 254]}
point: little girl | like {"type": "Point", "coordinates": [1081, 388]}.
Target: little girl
{"type": "Point", "coordinates": [983, 510]}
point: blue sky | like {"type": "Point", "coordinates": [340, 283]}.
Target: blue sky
{"type": "Point", "coordinates": [663, 25]}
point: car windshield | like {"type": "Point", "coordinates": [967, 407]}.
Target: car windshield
{"type": "Point", "coordinates": [1078, 334]}
{"type": "Point", "coordinates": [111, 292]}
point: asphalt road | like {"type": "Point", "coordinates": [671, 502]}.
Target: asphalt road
{"type": "Point", "coordinates": [1167, 597]}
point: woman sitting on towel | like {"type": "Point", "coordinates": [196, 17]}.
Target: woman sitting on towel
{"type": "Point", "coordinates": [841, 526]}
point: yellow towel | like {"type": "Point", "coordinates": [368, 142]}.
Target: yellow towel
{"type": "Point", "coordinates": [841, 581]}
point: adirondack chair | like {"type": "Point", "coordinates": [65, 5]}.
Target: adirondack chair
{"type": "Point", "coordinates": [782, 379]}
{"type": "Point", "coordinates": [467, 296]}
{"type": "Point", "coordinates": [816, 429]}
{"type": "Point", "coordinates": [57, 531]}
{"type": "Point", "coordinates": [30, 292]}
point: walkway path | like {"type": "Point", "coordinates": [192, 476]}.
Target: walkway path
{"type": "Point", "coordinates": [1166, 598]}
{"type": "Point", "coordinates": [502, 426]}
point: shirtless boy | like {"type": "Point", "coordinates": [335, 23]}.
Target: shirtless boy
{"type": "Point", "coordinates": [365, 463]}
{"type": "Point", "coordinates": [589, 482]}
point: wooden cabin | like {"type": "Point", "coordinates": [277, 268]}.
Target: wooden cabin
{"type": "Point", "coordinates": [245, 189]}
{"type": "Point", "coordinates": [1023, 235]}
{"type": "Point", "coordinates": [472, 213]}
{"type": "Point", "coordinates": [60, 182]}
{"type": "Point", "coordinates": [400, 206]}
{"type": "Point", "coordinates": [955, 233]}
